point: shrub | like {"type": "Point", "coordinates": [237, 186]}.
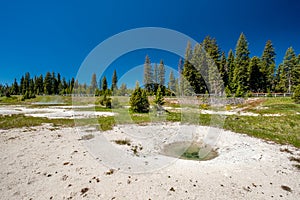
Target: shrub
{"type": "Point", "coordinates": [159, 99]}
{"type": "Point", "coordinates": [123, 142]}
{"type": "Point", "coordinates": [139, 101]}
{"type": "Point", "coordinates": [105, 101]}
{"type": "Point", "coordinates": [296, 95]}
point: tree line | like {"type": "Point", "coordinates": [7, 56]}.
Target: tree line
{"type": "Point", "coordinates": [204, 69]}
{"type": "Point", "coordinates": [207, 69]}
{"type": "Point", "coordinates": [29, 87]}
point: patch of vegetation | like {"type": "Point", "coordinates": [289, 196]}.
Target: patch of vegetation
{"type": "Point", "coordinates": [105, 100]}
{"type": "Point", "coordinates": [123, 142]}
{"type": "Point", "coordinates": [286, 150]}
{"type": "Point", "coordinates": [10, 100]}
{"type": "Point", "coordinates": [106, 123]}
{"type": "Point", "coordinates": [294, 159]}
{"type": "Point", "coordinates": [190, 155]}
{"type": "Point", "coordinates": [139, 101]}
{"type": "Point", "coordinates": [278, 105]}
{"type": "Point", "coordinates": [19, 121]}
{"type": "Point", "coordinates": [282, 129]}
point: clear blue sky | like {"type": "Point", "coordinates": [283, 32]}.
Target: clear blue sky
{"type": "Point", "coordinates": [40, 36]}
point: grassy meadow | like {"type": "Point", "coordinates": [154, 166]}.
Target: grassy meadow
{"type": "Point", "coordinates": [278, 119]}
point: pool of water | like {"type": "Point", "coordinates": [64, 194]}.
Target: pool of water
{"type": "Point", "coordinates": [189, 150]}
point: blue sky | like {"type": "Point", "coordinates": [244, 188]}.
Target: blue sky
{"type": "Point", "coordinates": [41, 36]}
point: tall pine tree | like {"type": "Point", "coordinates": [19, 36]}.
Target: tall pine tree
{"type": "Point", "coordinates": [48, 84]}
{"type": "Point", "coordinates": [241, 62]}
{"type": "Point", "coordinates": [114, 82]}
{"type": "Point", "coordinates": [255, 77]}
{"type": "Point", "coordinates": [212, 49]}
{"type": "Point", "coordinates": [155, 74]}
{"type": "Point", "coordinates": [285, 71]}
{"type": "Point", "coordinates": [223, 69]}
{"type": "Point", "coordinates": [230, 69]}
{"type": "Point", "coordinates": [148, 73]}
{"type": "Point", "coordinates": [267, 66]}
{"type": "Point", "coordinates": [172, 83]}
{"type": "Point", "coordinates": [104, 84]}
{"type": "Point", "coordinates": [161, 73]}
{"type": "Point", "coordinates": [94, 84]}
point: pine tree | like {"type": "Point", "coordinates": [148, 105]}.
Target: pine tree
{"type": "Point", "coordinates": [241, 62]}
{"type": "Point", "coordinates": [196, 71]}
{"type": "Point", "coordinates": [106, 100]}
{"type": "Point", "coordinates": [161, 73]}
{"type": "Point", "coordinates": [286, 73]}
{"type": "Point", "coordinates": [59, 85]}
{"type": "Point", "coordinates": [267, 66]}
{"type": "Point", "coordinates": [256, 76]}
{"type": "Point", "coordinates": [296, 95]}
{"type": "Point", "coordinates": [223, 69]}
{"type": "Point", "coordinates": [94, 84]}
{"type": "Point", "coordinates": [159, 99]}
{"type": "Point", "coordinates": [280, 79]}
{"type": "Point", "coordinates": [21, 88]}
{"type": "Point", "coordinates": [54, 84]}
{"type": "Point", "coordinates": [296, 73]}
{"type": "Point", "coordinates": [15, 88]}
{"type": "Point", "coordinates": [212, 49]}
{"type": "Point", "coordinates": [26, 81]}
{"type": "Point", "coordinates": [216, 85]}
{"type": "Point", "coordinates": [39, 85]}
{"type": "Point", "coordinates": [64, 86]}
{"type": "Point", "coordinates": [177, 87]}
{"type": "Point", "coordinates": [71, 86]}
{"type": "Point", "coordinates": [155, 74]}
{"type": "Point", "coordinates": [230, 69]}
{"type": "Point", "coordinates": [48, 84]}
{"type": "Point", "coordinates": [148, 74]}
{"type": "Point", "coordinates": [215, 78]}
{"type": "Point", "coordinates": [172, 82]}
{"type": "Point", "coordinates": [145, 105]}
{"type": "Point", "coordinates": [104, 84]}
{"type": "Point", "coordinates": [31, 89]}
{"type": "Point", "coordinates": [139, 101]}
{"type": "Point", "coordinates": [114, 80]}
{"type": "Point", "coordinates": [181, 79]}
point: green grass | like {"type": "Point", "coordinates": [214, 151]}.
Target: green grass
{"type": "Point", "coordinates": [19, 121]}
{"type": "Point", "coordinates": [10, 100]}
{"type": "Point", "coordinates": [279, 105]}
{"type": "Point", "coordinates": [54, 100]}
{"type": "Point", "coordinates": [283, 129]}
{"type": "Point", "coordinates": [280, 129]}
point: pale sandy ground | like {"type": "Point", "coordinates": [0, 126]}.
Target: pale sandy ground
{"type": "Point", "coordinates": [49, 163]}
{"type": "Point", "coordinates": [54, 112]}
